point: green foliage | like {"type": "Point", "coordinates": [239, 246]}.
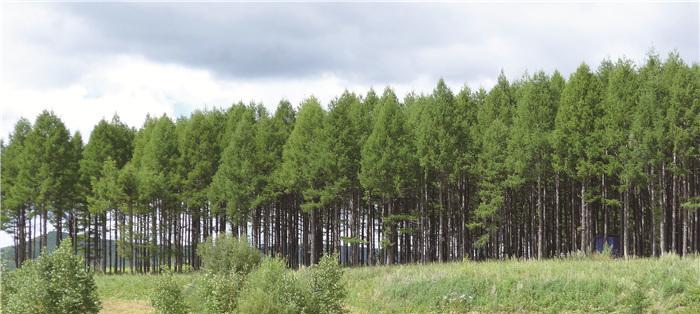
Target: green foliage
{"type": "Point", "coordinates": [353, 240]}
{"type": "Point", "coordinates": [272, 289]}
{"type": "Point", "coordinates": [15, 191]}
{"type": "Point", "coordinates": [668, 283]}
{"type": "Point", "coordinates": [327, 286]}
{"type": "Point", "coordinates": [551, 286]}
{"type": "Point", "coordinates": [306, 156]}
{"type": "Point", "coordinates": [167, 297]}
{"type": "Point", "coordinates": [106, 191]}
{"type": "Point", "coordinates": [108, 139]}
{"type": "Point", "coordinates": [394, 218]}
{"type": "Point", "coordinates": [533, 123]}
{"type": "Point", "coordinates": [239, 171]}
{"type": "Point", "coordinates": [692, 204]}
{"type": "Point", "coordinates": [438, 131]}
{"type": "Point", "coordinates": [157, 176]}
{"type": "Point", "coordinates": [388, 158]}
{"type": "Point", "coordinates": [226, 261]}
{"type": "Point", "coordinates": [636, 301]}
{"type": "Point", "coordinates": [494, 121]}
{"type": "Point", "coordinates": [199, 144]}
{"type": "Point", "coordinates": [218, 292]}
{"type": "Point", "coordinates": [574, 141]}
{"type": "Point", "coordinates": [53, 283]}
{"type": "Point", "coordinates": [226, 254]}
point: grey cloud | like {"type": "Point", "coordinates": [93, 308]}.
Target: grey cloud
{"type": "Point", "coordinates": [376, 44]}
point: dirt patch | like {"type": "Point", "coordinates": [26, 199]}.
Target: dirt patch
{"type": "Point", "coordinates": [124, 307]}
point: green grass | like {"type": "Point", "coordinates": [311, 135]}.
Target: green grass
{"type": "Point", "coordinates": [134, 287]}
{"type": "Point", "coordinates": [667, 284]}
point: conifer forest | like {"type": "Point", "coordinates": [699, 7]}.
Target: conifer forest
{"type": "Point", "coordinates": [535, 167]}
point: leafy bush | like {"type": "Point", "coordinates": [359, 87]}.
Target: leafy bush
{"type": "Point", "coordinates": [237, 279]}
{"type": "Point", "coordinates": [167, 297]}
{"type": "Point", "coordinates": [227, 254]}
{"type": "Point", "coordinates": [226, 262]}
{"type": "Point", "coordinates": [53, 283]}
{"type": "Point", "coordinates": [21, 290]}
{"type": "Point", "coordinates": [271, 288]}
{"type": "Point", "coordinates": [218, 293]}
{"type": "Point", "coordinates": [326, 285]}
{"type": "Point", "coordinates": [6, 285]}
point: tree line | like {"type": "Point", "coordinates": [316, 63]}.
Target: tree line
{"type": "Point", "coordinates": [539, 167]}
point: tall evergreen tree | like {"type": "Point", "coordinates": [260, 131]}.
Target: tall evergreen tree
{"type": "Point", "coordinates": [306, 168]}
{"type": "Point", "coordinates": [494, 121]}
{"type": "Point", "coordinates": [387, 163]}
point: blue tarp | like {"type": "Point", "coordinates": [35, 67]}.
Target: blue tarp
{"type": "Point", "coordinates": [612, 240]}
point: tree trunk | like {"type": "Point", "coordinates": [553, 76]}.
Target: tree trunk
{"type": "Point", "coordinates": [625, 222]}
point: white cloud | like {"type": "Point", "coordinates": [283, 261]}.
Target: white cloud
{"type": "Point", "coordinates": [89, 61]}
{"type": "Point", "coordinates": [134, 87]}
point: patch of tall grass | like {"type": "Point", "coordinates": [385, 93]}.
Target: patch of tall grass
{"type": "Point", "coordinates": [597, 283]}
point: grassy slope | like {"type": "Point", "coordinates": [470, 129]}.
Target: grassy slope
{"type": "Point", "coordinates": [669, 284]}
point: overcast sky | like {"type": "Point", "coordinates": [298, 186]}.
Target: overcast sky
{"type": "Point", "coordinates": [86, 61]}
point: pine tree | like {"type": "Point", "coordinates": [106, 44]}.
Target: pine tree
{"type": "Point", "coordinates": [387, 165]}
{"type": "Point", "coordinates": [494, 121]}
{"type": "Point", "coordinates": [528, 156]}
{"type": "Point", "coordinates": [306, 168]}
{"type": "Point", "coordinates": [575, 140]}
{"type": "Point", "coordinates": [16, 194]}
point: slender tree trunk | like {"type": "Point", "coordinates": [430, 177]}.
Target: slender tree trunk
{"type": "Point", "coordinates": [540, 214]}
{"type": "Point", "coordinates": [625, 222]}
{"type": "Point", "coordinates": [674, 202]}
{"type": "Point", "coordinates": [584, 220]}
{"type": "Point", "coordinates": [662, 223]}
{"type": "Point", "coordinates": [684, 214]}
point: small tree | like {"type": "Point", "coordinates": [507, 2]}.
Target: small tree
{"type": "Point", "coordinates": [227, 254]}
{"type": "Point", "coordinates": [226, 262]}
{"type": "Point", "coordinates": [218, 292]}
{"type": "Point", "coordinates": [54, 283]}
{"type": "Point", "coordinates": [167, 298]}
{"type": "Point", "coordinates": [328, 288]}
{"type": "Point", "coordinates": [271, 288]}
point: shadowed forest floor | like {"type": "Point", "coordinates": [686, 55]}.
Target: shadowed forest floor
{"type": "Point", "coordinates": [597, 284]}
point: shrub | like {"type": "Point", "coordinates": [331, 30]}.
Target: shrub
{"type": "Point", "coordinates": [226, 262]}
{"type": "Point", "coordinates": [271, 288]}
{"type": "Point", "coordinates": [227, 254]}
{"type": "Point", "coordinates": [326, 285]}
{"type": "Point", "coordinates": [21, 290]}
{"type": "Point", "coordinates": [218, 293]}
{"type": "Point", "coordinates": [7, 287]}
{"type": "Point", "coordinates": [54, 283]}
{"type": "Point", "coordinates": [167, 297]}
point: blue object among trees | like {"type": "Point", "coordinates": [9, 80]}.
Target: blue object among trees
{"type": "Point", "coordinates": [613, 242]}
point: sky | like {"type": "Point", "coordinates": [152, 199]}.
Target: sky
{"type": "Point", "coordinates": [89, 61]}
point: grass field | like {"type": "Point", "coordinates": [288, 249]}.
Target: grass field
{"type": "Point", "coordinates": [667, 284]}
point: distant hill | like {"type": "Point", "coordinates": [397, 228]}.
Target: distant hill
{"type": "Point", "coordinates": [7, 254]}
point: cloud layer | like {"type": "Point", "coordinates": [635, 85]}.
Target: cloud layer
{"type": "Point", "coordinates": [86, 61]}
